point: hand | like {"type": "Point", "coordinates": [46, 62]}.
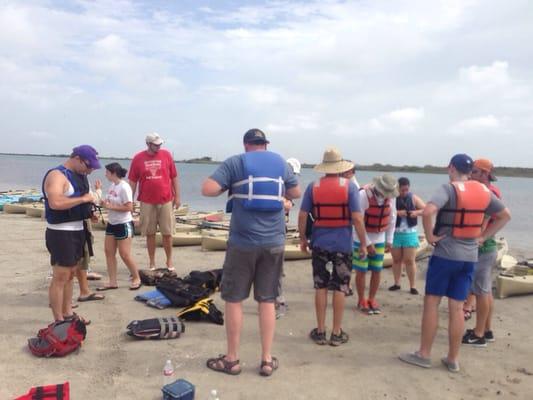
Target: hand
{"type": "Point", "coordinates": [107, 204]}
{"type": "Point", "coordinates": [402, 213]}
{"type": "Point", "coordinates": [371, 249]}
{"type": "Point", "coordinates": [480, 241]}
{"type": "Point", "coordinates": [177, 203]}
{"type": "Point", "coordinates": [88, 198]}
{"type": "Point", "coordinates": [94, 218]}
{"type": "Point", "coordinates": [97, 184]}
{"type": "Point", "coordinates": [388, 247]}
{"type": "Point", "coordinates": [363, 252]}
{"type": "Point", "coordinates": [304, 244]}
{"type": "Point", "coordinates": [433, 239]}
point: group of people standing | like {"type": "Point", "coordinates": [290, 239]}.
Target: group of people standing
{"type": "Point", "coordinates": [347, 227]}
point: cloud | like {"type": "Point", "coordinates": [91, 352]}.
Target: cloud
{"type": "Point", "coordinates": [476, 125]}
{"type": "Point", "coordinates": [492, 76]}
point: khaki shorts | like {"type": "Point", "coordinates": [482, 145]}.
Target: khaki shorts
{"type": "Point", "coordinates": [154, 215]}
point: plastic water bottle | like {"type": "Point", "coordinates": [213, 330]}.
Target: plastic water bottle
{"type": "Point", "coordinates": [168, 373]}
{"type": "Point", "coordinates": [329, 266]}
{"type": "Point", "coordinates": [212, 395]}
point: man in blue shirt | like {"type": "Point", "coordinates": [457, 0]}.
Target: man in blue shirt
{"type": "Point", "coordinates": [334, 204]}
{"type": "Point", "coordinates": [258, 181]}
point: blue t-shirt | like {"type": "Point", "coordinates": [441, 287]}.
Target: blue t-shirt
{"type": "Point", "coordinates": [332, 239]}
{"type": "Point", "coordinates": [248, 227]}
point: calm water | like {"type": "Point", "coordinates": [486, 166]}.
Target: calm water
{"type": "Point", "coordinates": [24, 172]}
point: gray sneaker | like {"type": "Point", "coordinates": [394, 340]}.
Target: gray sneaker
{"type": "Point", "coordinates": [281, 310]}
{"type": "Point", "coordinates": [318, 337]}
{"type": "Point", "coordinates": [415, 359]}
{"type": "Point", "coordinates": [337, 340]}
{"type": "Point", "coordinates": [452, 366]}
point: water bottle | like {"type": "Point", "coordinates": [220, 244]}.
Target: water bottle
{"type": "Point", "coordinates": [168, 373]}
{"type": "Point", "coordinates": [212, 395]}
{"type": "Point", "coordinates": [329, 266]}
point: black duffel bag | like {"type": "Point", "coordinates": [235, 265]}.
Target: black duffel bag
{"type": "Point", "coordinates": [181, 293]}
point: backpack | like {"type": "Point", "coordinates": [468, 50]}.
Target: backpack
{"type": "Point", "coordinates": [49, 392]}
{"type": "Point", "coordinates": [58, 339]}
{"type": "Point", "coordinates": [156, 328]}
{"type": "Point", "coordinates": [180, 293]}
{"type": "Point", "coordinates": [206, 279]}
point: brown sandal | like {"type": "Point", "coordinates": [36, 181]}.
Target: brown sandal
{"type": "Point", "coordinates": [227, 366]}
{"type": "Point", "coordinates": [273, 365]}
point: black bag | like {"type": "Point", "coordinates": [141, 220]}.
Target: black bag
{"type": "Point", "coordinates": [181, 293]}
{"type": "Point", "coordinates": [206, 279]}
{"type": "Point", "coordinates": [156, 328]}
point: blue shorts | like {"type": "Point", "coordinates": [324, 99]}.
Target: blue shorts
{"type": "Point", "coordinates": [449, 278]}
{"type": "Point", "coordinates": [120, 231]}
{"type": "Point", "coordinates": [405, 239]}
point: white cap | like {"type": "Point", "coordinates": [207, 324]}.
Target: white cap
{"type": "Point", "coordinates": [154, 138]}
{"type": "Point", "coordinates": [295, 165]}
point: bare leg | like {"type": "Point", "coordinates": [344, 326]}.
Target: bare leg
{"type": "Point", "coordinates": [360, 284]}
{"type": "Point", "coordinates": [338, 311]}
{"type": "Point", "coordinates": [81, 275]}
{"type": "Point", "coordinates": [482, 314]}
{"type": "Point", "coordinates": [374, 284]}
{"type": "Point", "coordinates": [110, 248]}
{"type": "Point", "coordinates": [150, 246]}
{"type": "Point", "coordinates": [409, 254]}
{"type": "Point", "coordinates": [167, 245]}
{"type": "Point", "coordinates": [60, 278]}
{"type": "Point", "coordinates": [397, 264]}
{"type": "Point", "coordinates": [321, 302]}
{"type": "Point", "coordinates": [267, 327]}
{"type": "Point", "coordinates": [124, 249]}
{"type": "Point", "coordinates": [456, 326]}
{"type": "Point", "coordinates": [234, 320]}
{"type": "Point", "coordinates": [488, 323]}
{"type": "Point", "coordinates": [430, 323]}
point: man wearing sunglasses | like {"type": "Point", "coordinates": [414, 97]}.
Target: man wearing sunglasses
{"type": "Point", "coordinates": [154, 173]}
{"type": "Point", "coordinates": [68, 201]}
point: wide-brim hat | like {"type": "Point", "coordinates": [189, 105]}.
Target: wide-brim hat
{"type": "Point", "coordinates": [387, 185]}
{"type": "Point", "coordinates": [333, 163]}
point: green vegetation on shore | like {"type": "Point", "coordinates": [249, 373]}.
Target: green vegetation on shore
{"type": "Point", "coordinates": [427, 169]}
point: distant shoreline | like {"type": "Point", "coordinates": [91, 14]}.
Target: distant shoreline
{"type": "Point", "coordinates": [429, 169]}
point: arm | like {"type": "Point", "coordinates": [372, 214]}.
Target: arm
{"type": "Point", "coordinates": [133, 185]}
{"type": "Point", "coordinates": [419, 204]}
{"type": "Point", "coordinates": [177, 194]}
{"type": "Point", "coordinates": [389, 234]}
{"type": "Point", "coordinates": [302, 228]}
{"type": "Point", "coordinates": [427, 219]}
{"type": "Point", "coordinates": [293, 193]}
{"type": "Point", "coordinates": [211, 188]}
{"type": "Point", "coordinates": [499, 220]}
{"type": "Point", "coordinates": [118, 207]}
{"type": "Point", "coordinates": [55, 189]}
{"type": "Point", "coordinates": [359, 226]}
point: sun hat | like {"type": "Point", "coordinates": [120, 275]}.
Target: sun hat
{"type": "Point", "coordinates": [387, 185]}
{"type": "Point", "coordinates": [256, 136]}
{"type": "Point", "coordinates": [154, 138]}
{"type": "Point", "coordinates": [486, 165]}
{"type": "Point", "coordinates": [462, 163]}
{"type": "Point", "coordinates": [333, 163]}
{"type": "Point", "coordinates": [88, 154]}
{"type": "Point", "coordinates": [295, 165]}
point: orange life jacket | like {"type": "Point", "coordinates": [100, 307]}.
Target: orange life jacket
{"type": "Point", "coordinates": [498, 194]}
{"type": "Point", "coordinates": [330, 202]}
{"type": "Point", "coordinates": [377, 217]}
{"type": "Point", "coordinates": [465, 213]}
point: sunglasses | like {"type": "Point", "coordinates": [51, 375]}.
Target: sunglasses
{"type": "Point", "coordinates": [86, 163]}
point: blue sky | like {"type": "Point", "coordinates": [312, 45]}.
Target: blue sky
{"type": "Point", "coordinates": [404, 82]}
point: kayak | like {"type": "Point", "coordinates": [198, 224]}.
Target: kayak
{"type": "Point", "coordinates": [35, 210]}
{"type": "Point", "coordinates": [514, 281]}
{"type": "Point", "coordinates": [181, 239]}
{"type": "Point", "coordinates": [15, 208]}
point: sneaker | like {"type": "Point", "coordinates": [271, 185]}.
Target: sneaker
{"type": "Point", "coordinates": [374, 307]}
{"type": "Point", "coordinates": [337, 340]}
{"type": "Point", "coordinates": [415, 359]}
{"type": "Point", "coordinates": [363, 306]}
{"type": "Point", "coordinates": [394, 287]}
{"type": "Point", "coordinates": [281, 310]}
{"type": "Point", "coordinates": [452, 366]}
{"type": "Point", "coordinates": [489, 337]}
{"type": "Point", "coordinates": [413, 291]}
{"type": "Point", "coordinates": [318, 337]}
{"type": "Point", "coordinates": [473, 340]}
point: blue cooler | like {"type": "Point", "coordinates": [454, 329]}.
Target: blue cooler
{"type": "Point", "coordinates": [178, 390]}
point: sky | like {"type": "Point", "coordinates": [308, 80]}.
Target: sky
{"type": "Point", "coordinates": [391, 82]}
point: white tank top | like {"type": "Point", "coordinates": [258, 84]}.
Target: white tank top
{"type": "Point", "coordinates": [67, 226]}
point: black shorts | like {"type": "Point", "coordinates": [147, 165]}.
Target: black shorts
{"type": "Point", "coordinates": [120, 231]}
{"type": "Point", "coordinates": [341, 270]}
{"type": "Point", "coordinates": [65, 247]}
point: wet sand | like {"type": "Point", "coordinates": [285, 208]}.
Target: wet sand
{"type": "Point", "coordinates": [110, 365]}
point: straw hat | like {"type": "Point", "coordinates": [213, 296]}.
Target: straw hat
{"type": "Point", "coordinates": [387, 185]}
{"type": "Point", "coordinates": [333, 163]}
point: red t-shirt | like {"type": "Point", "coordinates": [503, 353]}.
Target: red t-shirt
{"type": "Point", "coordinates": [153, 174]}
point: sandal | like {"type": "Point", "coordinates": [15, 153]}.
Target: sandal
{"type": "Point", "coordinates": [272, 365]}
{"type": "Point", "coordinates": [74, 316]}
{"type": "Point", "coordinates": [91, 297]}
{"type": "Point", "coordinates": [220, 364]}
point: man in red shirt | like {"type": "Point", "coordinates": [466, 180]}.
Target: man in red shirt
{"type": "Point", "coordinates": [154, 171]}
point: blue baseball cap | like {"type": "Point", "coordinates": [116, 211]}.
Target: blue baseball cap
{"type": "Point", "coordinates": [88, 154]}
{"type": "Point", "coordinates": [462, 163]}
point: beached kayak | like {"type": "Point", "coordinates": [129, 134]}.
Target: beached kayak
{"type": "Point", "coordinates": [15, 208]}
{"type": "Point", "coordinates": [181, 239]}
{"type": "Point", "coordinates": [514, 281]}
{"type": "Point", "coordinates": [35, 210]}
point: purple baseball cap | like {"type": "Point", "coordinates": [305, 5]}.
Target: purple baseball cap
{"type": "Point", "coordinates": [462, 163]}
{"type": "Point", "coordinates": [89, 154]}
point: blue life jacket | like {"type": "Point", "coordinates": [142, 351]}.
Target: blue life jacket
{"type": "Point", "coordinates": [408, 205]}
{"type": "Point", "coordinates": [78, 213]}
{"type": "Point", "coordinates": [263, 188]}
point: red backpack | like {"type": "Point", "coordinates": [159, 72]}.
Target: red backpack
{"type": "Point", "coordinates": [58, 339]}
{"type": "Point", "coordinates": [50, 392]}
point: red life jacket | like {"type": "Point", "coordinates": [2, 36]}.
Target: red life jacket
{"type": "Point", "coordinates": [465, 213]}
{"type": "Point", "coordinates": [50, 392]}
{"type": "Point", "coordinates": [377, 217]}
{"type": "Point", "coordinates": [330, 202]}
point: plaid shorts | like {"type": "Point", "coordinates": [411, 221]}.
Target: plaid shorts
{"type": "Point", "coordinates": [341, 271]}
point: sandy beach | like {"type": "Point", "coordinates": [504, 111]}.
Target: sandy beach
{"type": "Point", "coordinates": [110, 365]}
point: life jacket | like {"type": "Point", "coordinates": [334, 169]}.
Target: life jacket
{"type": "Point", "coordinates": [465, 210]}
{"type": "Point", "coordinates": [377, 217]}
{"type": "Point", "coordinates": [78, 213]}
{"type": "Point", "coordinates": [330, 202]}
{"type": "Point", "coordinates": [498, 194]}
{"type": "Point", "coordinates": [58, 339]}
{"type": "Point", "coordinates": [263, 188]}
{"type": "Point", "coordinates": [48, 392]}
{"type": "Point", "coordinates": [156, 328]}
{"type": "Point", "coordinates": [407, 204]}
{"type": "Point", "coordinates": [202, 310]}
